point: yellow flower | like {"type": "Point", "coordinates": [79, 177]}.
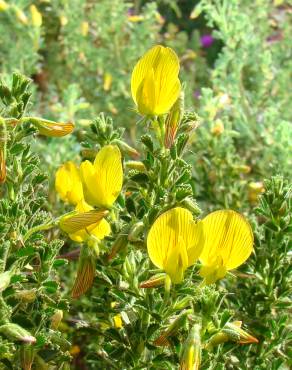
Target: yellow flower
{"type": "Point", "coordinates": [118, 323]}
{"type": "Point", "coordinates": [155, 85]}
{"type": "Point", "coordinates": [81, 226]}
{"type": "Point", "coordinates": [107, 81]}
{"type": "Point", "coordinates": [103, 180]}
{"type": "Point", "coordinates": [84, 28]}
{"type": "Point", "coordinates": [68, 183]}
{"type": "Point", "coordinates": [228, 243]}
{"type": "Point", "coordinates": [3, 6]}
{"type": "Point", "coordinates": [175, 242]}
{"type": "Point", "coordinates": [36, 16]}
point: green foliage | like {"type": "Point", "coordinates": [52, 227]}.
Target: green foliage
{"type": "Point", "coordinates": [30, 290]}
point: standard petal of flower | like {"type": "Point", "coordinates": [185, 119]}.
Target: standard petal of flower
{"type": "Point", "coordinates": [155, 84]}
{"type": "Point", "coordinates": [142, 68]}
{"type": "Point", "coordinates": [228, 235]}
{"type": "Point", "coordinates": [174, 242]}
{"type": "Point", "coordinates": [109, 175]}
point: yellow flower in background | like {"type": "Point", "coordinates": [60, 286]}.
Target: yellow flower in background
{"type": "Point", "coordinates": [36, 16]}
{"type": "Point", "coordinates": [3, 5]}
{"type": "Point", "coordinates": [84, 28]}
{"type": "Point", "coordinates": [107, 81]}
{"type": "Point", "coordinates": [86, 222]}
{"type": "Point", "coordinates": [103, 180]}
{"type": "Point", "coordinates": [175, 242]}
{"type": "Point", "coordinates": [155, 84]}
{"type": "Point", "coordinates": [228, 243]}
{"type": "Point", "coordinates": [68, 183]}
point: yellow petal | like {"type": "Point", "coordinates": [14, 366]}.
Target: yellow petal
{"type": "Point", "coordinates": [103, 181]}
{"type": "Point", "coordinates": [68, 183]}
{"type": "Point", "coordinates": [155, 85]}
{"type": "Point", "coordinates": [227, 236]}
{"type": "Point", "coordinates": [87, 222]}
{"type": "Point", "coordinates": [175, 242]}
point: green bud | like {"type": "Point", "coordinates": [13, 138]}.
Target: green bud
{"type": "Point", "coordinates": [5, 280]}
{"type": "Point", "coordinates": [136, 231]}
{"type": "Point", "coordinates": [119, 244]}
{"type": "Point", "coordinates": [191, 350]}
{"type": "Point", "coordinates": [56, 319]}
{"type": "Point", "coordinates": [16, 333]}
{"type": "Point", "coordinates": [126, 149]}
{"type": "Point", "coordinates": [177, 323]}
{"type": "Point", "coordinates": [182, 303]}
{"type": "Point", "coordinates": [191, 205]}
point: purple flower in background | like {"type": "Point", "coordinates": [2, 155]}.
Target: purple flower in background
{"type": "Point", "coordinates": [197, 94]}
{"type": "Point", "coordinates": [206, 40]}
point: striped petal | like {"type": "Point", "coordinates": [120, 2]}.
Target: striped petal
{"type": "Point", "coordinates": [173, 242]}
{"type": "Point", "coordinates": [104, 179]}
{"type": "Point", "coordinates": [228, 239]}
{"type": "Point", "coordinates": [155, 85]}
{"type": "Point", "coordinates": [68, 183]}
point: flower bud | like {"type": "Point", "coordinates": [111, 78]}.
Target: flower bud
{"type": "Point", "coordinates": [231, 332]}
{"type": "Point", "coordinates": [136, 231]}
{"type": "Point", "coordinates": [5, 280]}
{"type": "Point", "coordinates": [172, 329]}
{"type": "Point", "coordinates": [192, 206]}
{"type": "Point", "coordinates": [49, 128]}
{"type": "Point", "coordinates": [191, 351]}
{"type": "Point", "coordinates": [242, 169]}
{"type": "Point", "coordinates": [182, 303]}
{"type": "Point", "coordinates": [136, 165]}
{"type": "Point", "coordinates": [126, 149]}
{"type": "Point", "coordinates": [56, 319]}
{"type": "Point", "coordinates": [26, 295]}
{"type": "Point", "coordinates": [154, 281]}
{"type": "Point", "coordinates": [15, 332]}
{"type": "Point", "coordinates": [173, 120]}
{"type": "Point", "coordinates": [26, 356]}
{"type": "Point", "coordinates": [120, 243]}
{"type": "Point", "coordinates": [85, 272]}
{"type": "Point", "coordinates": [36, 16]}
{"type": "Point", "coordinates": [254, 190]}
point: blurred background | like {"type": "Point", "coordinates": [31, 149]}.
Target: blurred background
{"type": "Point", "coordinates": [235, 64]}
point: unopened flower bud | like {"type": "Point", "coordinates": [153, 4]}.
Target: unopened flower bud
{"type": "Point", "coordinates": [50, 128]}
{"type": "Point", "coordinates": [231, 332]}
{"type": "Point", "coordinates": [119, 244]}
{"type": "Point", "coordinates": [242, 169]}
{"type": "Point", "coordinates": [26, 295]}
{"type": "Point", "coordinates": [172, 329]}
{"type": "Point", "coordinates": [154, 281]}
{"type": "Point", "coordinates": [126, 149]}
{"type": "Point", "coordinates": [136, 231]}
{"type": "Point", "coordinates": [56, 319]}
{"type": "Point", "coordinates": [255, 189]}
{"type": "Point", "coordinates": [85, 272]}
{"type": "Point", "coordinates": [173, 120]}
{"type": "Point", "coordinates": [15, 332]}
{"type": "Point", "coordinates": [191, 351]}
{"type": "Point", "coordinates": [26, 356]}
{"type": "Point", "coordinates": [136, 165]}
{"type": "Point", "coordinates": [181, 303]}
{"type": "Point", "coordinates": [191, 205]}
{"type": "Point", "coordinates": [5, 280]}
